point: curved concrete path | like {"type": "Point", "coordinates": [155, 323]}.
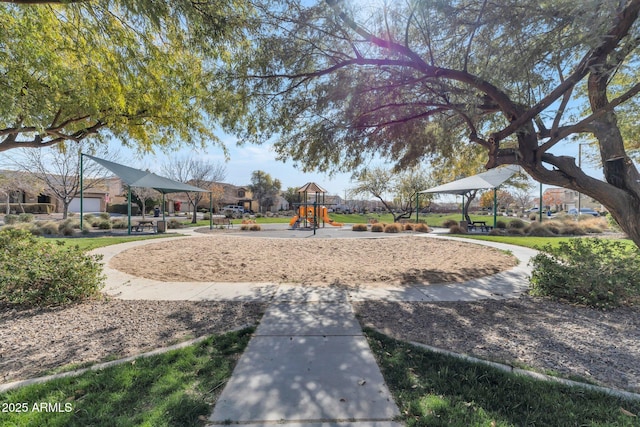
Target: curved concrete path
{"type": "Point", "coordinates": [309, 363]}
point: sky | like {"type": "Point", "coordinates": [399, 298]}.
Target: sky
{"type": "Point", "coordinates": [242, 162]}
{"type": "Point", "coordinates": [248, 158]}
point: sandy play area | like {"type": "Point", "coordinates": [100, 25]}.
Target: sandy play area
{"type": "Point", "coordinates": [352, 262]}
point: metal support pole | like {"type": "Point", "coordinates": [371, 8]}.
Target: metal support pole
{"type": "Point", "coordinates": [495, 208]}
{"type": "Point", "coordinates": [540, 205]}
{"type": "Point", "coordinates": [129, 212]}
{"type": "Point", "coordinates": [211, 210]}
{"type": "Point", "coordinates": [417, 206]}
{"type": "Point", "coordinates": [579, 166]}
{"type": "Point", "coordinates": [81, 195]}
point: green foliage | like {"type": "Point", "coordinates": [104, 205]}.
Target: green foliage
{"type": "Point", "coordinates": [25, 217]}
{"type": "Point", "coordinates": [593, 272]}
{"type": "Point", "coordinates": [177, 388]}
{"type": "Point", "coordinates": [146, 74]}
{"type": "Point", "coordinates": [517, 223]}
{"type": "Point", "coordinates": [433, 389]}
{"type": "Point", "coordinates": [10, 219]}
{"type": "Point", "coordinates": [37, 273]}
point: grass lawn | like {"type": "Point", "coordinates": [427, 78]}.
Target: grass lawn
{"type": "Point", "coordinates": [177, 388]}
{"type": "Point", "coordinates": [432, 389]}
{"type": "Point", "coordinates": [531, 241]}
{"type": "Point", "coordinates": [89, 243]}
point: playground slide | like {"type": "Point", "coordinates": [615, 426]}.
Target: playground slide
{"type": "Point", "coordinates": [327, 220]}
{"type": "Point", "coordinates": [293, 220]}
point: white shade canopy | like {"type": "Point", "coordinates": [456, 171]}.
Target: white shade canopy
{"type": "Point", "coordinates": [483, 181]}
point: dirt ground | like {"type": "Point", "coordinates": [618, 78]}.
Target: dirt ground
{"type": "Point", "coordinates": [348, 262]}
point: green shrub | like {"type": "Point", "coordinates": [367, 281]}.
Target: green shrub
{"type": "Point", "coordinates": [89, 218]}
{"type": "Point", "coordinates": [359, 227]}
{"type": "Point", "coordinates": [104, 224]}
{"type": "Point", "coordinates": [517, 223]}
{"type": "Point", "coordinates": [10, 219]}
{"type": "Point", "coordinates": [588, 271]}
{"type": "Point", "coordinates": [533, 217]}
{"type": "Point", "coordinates": [501, 224]}
{"type": "Point", "coordinates": [105, 215]}
{"type": "Point", "coordinates": [39, 273]}
{"type": "Point", "coordinates": [119, 223]}
{"type": "Point", "coordinates": [25, 217]}
{"type": "Point", "coordinates": [49, 228]}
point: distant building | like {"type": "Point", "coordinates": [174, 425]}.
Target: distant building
{"type": "Point", "coordinates": [563, 199]}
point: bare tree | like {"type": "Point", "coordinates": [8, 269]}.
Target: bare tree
{"type": "Point", "coordinates": [12, 183]}
{"type": "Point", "coordinates": [58, 170]}
{"type": "Point", "coordinates": [198, 173]}
{"type": "Point", "coordinates": [144, 194]}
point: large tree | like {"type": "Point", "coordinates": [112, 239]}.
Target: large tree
{"type": "Point", "coordinates": [265, 189]}
{"type": "Point", "coordinates": [146, 73]}
{"type": "Point", "coordinates": [341, 80]}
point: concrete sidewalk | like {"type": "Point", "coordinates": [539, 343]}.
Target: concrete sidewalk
{"type": "Point", "coordinates": [308, 365]}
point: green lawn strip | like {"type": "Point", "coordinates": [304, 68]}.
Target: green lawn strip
{"type": "Point", "coordinates": [433, 389]}
{"type": "Point", "coordinates": [89, 243]}
{"type": "Point", "coordinates": [177, 388]}
{"type": "Point", "coordinates": [531, 241]}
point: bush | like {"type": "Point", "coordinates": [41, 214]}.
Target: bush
{"type": "Point", "coordinates": [377, 227]}
{"type": "Point", "coordinates": [450, 223]}
{"type": "Point", "coordinates": [393, 228]}
{"type": "Point", "coordinates": [572, 230]}
{"type": "Point", "coordinates": [255, 227]}
{"type": "Point", "coordinates": [25, 217]}
{"type": "Point", "coordinates": [456, 229]}
{"type": "Point", "coordinates": [174, 223]}
{"type": "Point", "coordinates": [38, 273]}
{"type": "Point", "coordinates": [421, 228]}
{"type": "Point", "coordinates": [10, 219]}
{"type": "Point", "coordinates": [501, 224]}
{"type": "Point", "coordinates": [49, 228]}
{"type": "Point", "coordinates": [515, 231]}
{"type": "Point", "coordinates": [496, 232]}
{"type": "Point", "coordinates": [541, 232]}
{"type": "Point", "coordinates": [409, 227]}
{"type": "Point", "coordinates": [359, 227]}
{"type": "Point", "coordinates": [105, 224]}
{"type": "Point", "coordinates": [119, 223]}
{"type": "Point", "coordinates": [533, 217]}
{"type": "Point", "coordinates": [517, 223]}
{"type": "Point", "coordinates": [588, 271]}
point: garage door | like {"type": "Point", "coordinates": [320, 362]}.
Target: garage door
{"type": "Point", "coordinates": [89, 204]}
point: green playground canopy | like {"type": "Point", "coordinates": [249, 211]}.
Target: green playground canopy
{"type": "Point", "coordinates": [133, 177]}
{"type": "Point", "coordinates": [139, 178]}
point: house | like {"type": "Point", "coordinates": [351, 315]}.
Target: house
{"type": "Point", "coordinates": [563, 199]}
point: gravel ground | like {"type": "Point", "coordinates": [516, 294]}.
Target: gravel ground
{"type": "Point", "coordinates": [33, 342]}
{"type": "Point", "coordinates": [603, 347]}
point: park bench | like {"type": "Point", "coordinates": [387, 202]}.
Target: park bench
{"type": "Point", "coordinates": [221, 220]}
{"type": "Point", "coordinates": [144, 224]}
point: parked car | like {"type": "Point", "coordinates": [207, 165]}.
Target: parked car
{"type": "Point", "coordinates": [233, 209]}
{"type": "Point", "coordinates": [583, 211]}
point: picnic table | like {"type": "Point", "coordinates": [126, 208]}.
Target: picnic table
{"type": "Point", "coordinates": [482, 224]}
{"type": "Point", "coordinates": [142, 224]}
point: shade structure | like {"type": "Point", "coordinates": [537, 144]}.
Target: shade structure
{"type": "Point", "coordinates": [490, 179]}
{"type": "Point", "coordinates": [311, 187]}
{"type": "Point", "coordinates": [138, 178]}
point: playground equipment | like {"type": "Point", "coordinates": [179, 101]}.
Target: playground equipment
{"type": "Point", "coordinates": [309, 214]}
